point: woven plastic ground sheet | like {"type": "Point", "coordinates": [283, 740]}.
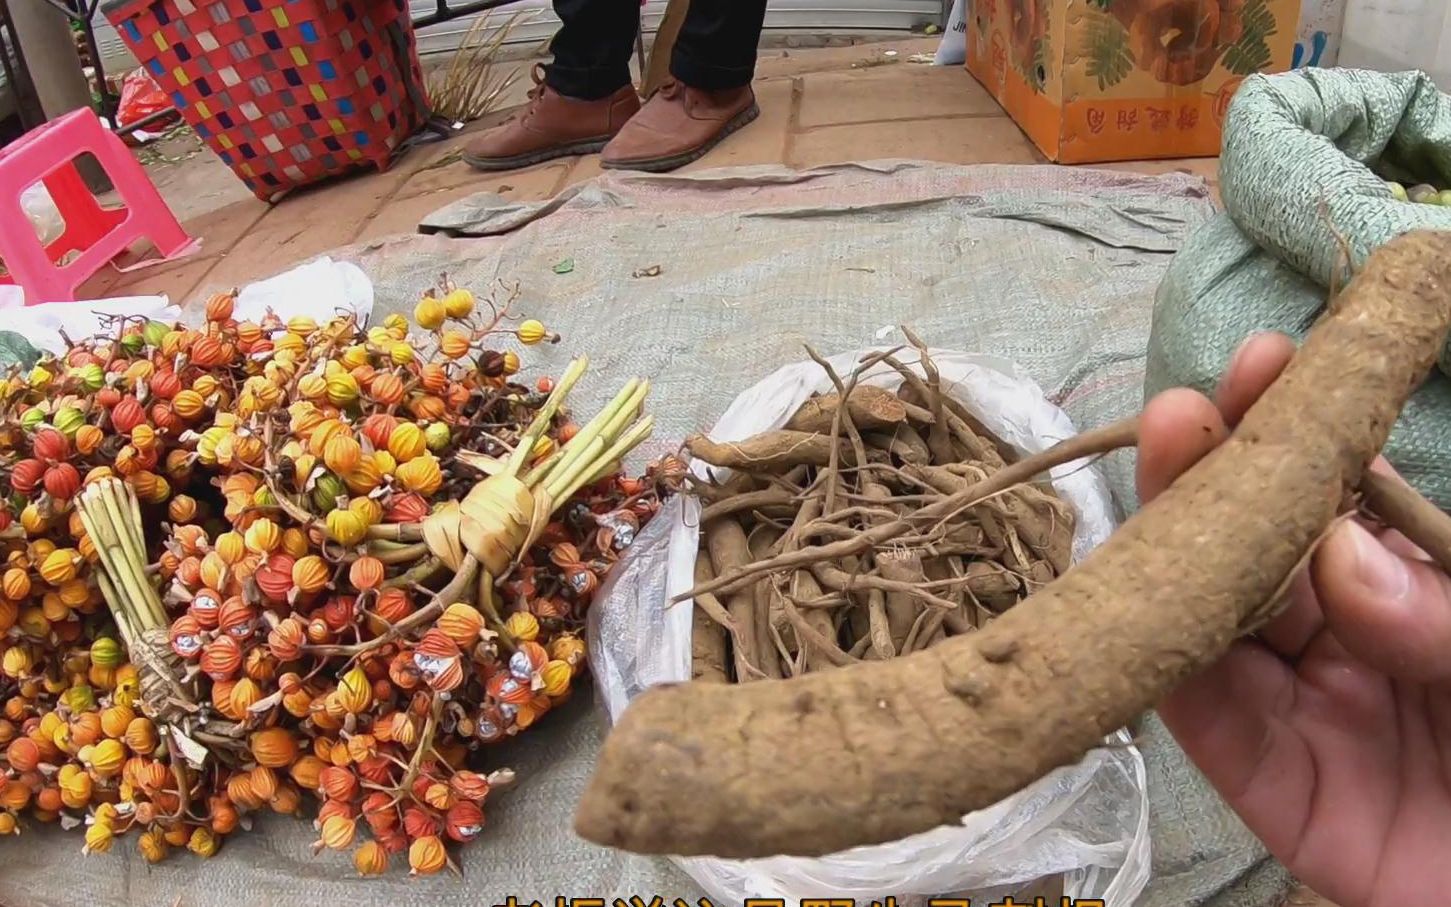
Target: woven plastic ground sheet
{"type": "Point", "coordinates": [1053, 269]}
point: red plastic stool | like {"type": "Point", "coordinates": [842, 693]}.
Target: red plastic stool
{"type": "Point", "coordinates": [46, 154]}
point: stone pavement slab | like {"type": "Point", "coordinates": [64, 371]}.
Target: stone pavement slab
{"type": "Point", "coordinates": [305, 224]}
{"type": "Point", "coordinates": [953, 140]}
{"type": "Point", "coordinates": [905, 91]}
{"type": "Point", "coordinates": [799, 61]}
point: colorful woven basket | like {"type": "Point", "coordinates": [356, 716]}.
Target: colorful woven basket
{"type": "Point", "coordinates": [286, 92]}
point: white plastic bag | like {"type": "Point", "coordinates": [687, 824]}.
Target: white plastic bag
{"type": "Point", "coordinates": [43, 322]}
{"type": "Point", "coordinates": [1087, 822]}
{"type": "Point", "coordinates": [320, 289]}
{"type": "Point", "coordinates": [42, 213]}
{"type": "Point", "coordinates": [952, 49]}
{"type": "Point", "coordinates": [1398, 35]}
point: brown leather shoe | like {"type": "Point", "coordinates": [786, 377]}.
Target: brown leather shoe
{"type": "Point", "coordinates": [679, 125]}
{"type": "Point", "coordinates": [552, 126]}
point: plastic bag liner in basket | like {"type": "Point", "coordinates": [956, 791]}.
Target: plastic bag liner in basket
{"type": "Point", "coordinates": [1087, 822]}
{"type": "Point", "coordinates": [1296, 169]}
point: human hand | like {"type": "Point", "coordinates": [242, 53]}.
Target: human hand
{"type": "Point", "coordinates": [1329, 730]}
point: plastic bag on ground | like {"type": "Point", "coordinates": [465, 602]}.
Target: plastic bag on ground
{"type": "Point", "coordinates": [43, 324]}
{"type": "Point", "coordinates": [1296, 179]}
{"type": "Point", "coordinates": [42, 213]}
{"type": "Point", "coordinates": [140, 98]}
{"type": "Point", "coordinates": [321, 289]}
{"type": "Point", "coordinates": [952, 49]}
{"type": "Point", "coordinates": [1087, 822]}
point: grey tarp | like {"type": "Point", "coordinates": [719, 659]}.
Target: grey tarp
{"type": "Point", "coordinates": [1054, 268]}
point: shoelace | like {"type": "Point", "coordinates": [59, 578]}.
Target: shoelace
{"type": "Point", "coordinates": [536, 93]}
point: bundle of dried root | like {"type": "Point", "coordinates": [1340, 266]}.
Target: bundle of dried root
{"type": "Point", "coordinates": [836, 472]}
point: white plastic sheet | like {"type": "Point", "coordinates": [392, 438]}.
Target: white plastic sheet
{"type": "Point", "coordinates": [1087, 822]}
{"type": "Point", "coordinates": [43, 323]}
{"type": "Point", "coordinates": [322, 289]}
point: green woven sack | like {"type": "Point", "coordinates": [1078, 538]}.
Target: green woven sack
{"type": "Point", "coordinates": [16, 350]}
{"type": "Point", "coordinates": [1297, 158]}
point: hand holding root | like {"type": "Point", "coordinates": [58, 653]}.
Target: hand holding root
{"type": "Point", "coordinates": [921, 740]}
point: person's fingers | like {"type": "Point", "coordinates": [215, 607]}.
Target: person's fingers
{"type": "Point", "coordinates": [1231, 720]}
{"type": "Point", "coordinates": [1391, 611]}
{"type": "Point", "coordinates": [1292, 629]}
{"type": "Point", "coordinates": [1177, 427]}
{"type": "Point", "coordinates": [1254, 367]}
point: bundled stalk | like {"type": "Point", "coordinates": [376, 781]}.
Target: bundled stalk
{"type": "Point", "coordinates": [845, 463]}
{"type": "Point", "coordinates": [112, 517]}
{"type": "Point", "coordinates": [504, 514]}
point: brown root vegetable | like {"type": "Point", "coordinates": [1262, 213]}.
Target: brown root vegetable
{"type": "Point", "coordinates": [708, 769]}
{"type": "Point", "coordinates": [825, 645]}
{"type": "Point", "coordinates": [803, 587]}
{"type": "Point", "coordinates": [709, 647]}
{"type": "Point", "coordinates": [969, 431]}
{"type": "Point", "coordinates": [1088, 443]}
{"type": "Point", "coordinates": [725, 540]}
{"type": "Point", "coordinates": [869, 407]}
{"type": "Point", "coordinates": [903, 608]}
{"type": "Point", "coordinates": [835, 578]}
{"type": "Point", "coordinates": [765, 499]}
{"type": "Point", "coordinates": [1401, 507]}
{"type": "Point", "coordinates": [770, 607]}
{"type": "Point", "coordinates": [939, 436]}
{"type": "Point", "coordinates": [877, 628]}
{"type": "Point", "coordinates": [904, 444]}
{"type": "Point", "coordinates": [961, 619]}
{"type": "Point", "coordinates": [986, 579]}
{"type": "Point", "coordinates": [774, 451]}
{"type": "Point", "coordinates": [739, 483]}
{"type": "Point", "coordinates": [901, 567]}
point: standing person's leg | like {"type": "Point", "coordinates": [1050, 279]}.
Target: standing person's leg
{"type": "Point", "coordinates": [713, 62]}
{"type": "Point", "coordinates": [592, 47]}
{"type": "Point", "coordinates": [716, 50]}
{"type": "Point", "coordinates": [581, 99]}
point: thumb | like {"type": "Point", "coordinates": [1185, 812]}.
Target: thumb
{"type": "Point", "coordinates": [1390, 611]}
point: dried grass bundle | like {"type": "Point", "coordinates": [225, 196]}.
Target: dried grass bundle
{"type": "Point", "coordinates": [472, 84]}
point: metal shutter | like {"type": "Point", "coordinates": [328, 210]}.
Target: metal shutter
{"type": "Point", "coordinates": [811, 16]}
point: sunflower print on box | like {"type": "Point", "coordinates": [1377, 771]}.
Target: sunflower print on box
{"type": "Point", "coordinates": [1029, 23]}
{"type": "Point", "coordinates": [1178, 42]}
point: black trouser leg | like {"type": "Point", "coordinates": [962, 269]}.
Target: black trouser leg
{"type": "Point", "coordinates": [592, 47]}
{"type": "Point", "coordinates": [716, 49]}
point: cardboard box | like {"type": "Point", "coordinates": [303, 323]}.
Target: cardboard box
{"type": "Point", "coordinates": [1112, 80]}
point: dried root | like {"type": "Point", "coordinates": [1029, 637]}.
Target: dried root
{"type": "Point", "coordinates": [846, 464]}
{"type": "Point", "coordinates": [874, 751]}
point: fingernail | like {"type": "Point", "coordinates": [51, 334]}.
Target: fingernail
{"type": "Point", "coordinates": [1378, 569]}
{"type": "Point", "coordinates": [1238, 355]}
